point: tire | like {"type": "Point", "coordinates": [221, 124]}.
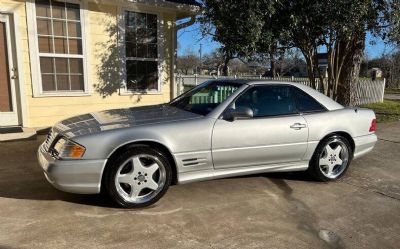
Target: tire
{"type": "Point", "coordinates": [138, 177]}
{"type": "Point", "coordinates": [325, 163]}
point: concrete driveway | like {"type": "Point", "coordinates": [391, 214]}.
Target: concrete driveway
{"type": "Point", "coordinates": [264, 211]}
{"type": "Point", "coordinates": [392, 96]}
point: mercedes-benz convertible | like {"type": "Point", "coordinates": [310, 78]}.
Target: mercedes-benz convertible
{"type": "Point", "coordinates": [221, 128]}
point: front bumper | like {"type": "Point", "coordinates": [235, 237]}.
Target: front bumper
{"type": "Point", "coordinates": [364, 144]}
{"type": "Point", "coordinates": [74, 176]}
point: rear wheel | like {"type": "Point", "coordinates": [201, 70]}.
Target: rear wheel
{"type": "Point", "coordinates": [138, 177]}
{"type": "Point", "coordinates": [331, 159]}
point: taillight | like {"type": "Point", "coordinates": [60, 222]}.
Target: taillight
{"type": "Point", "coordinates": [372, 128]}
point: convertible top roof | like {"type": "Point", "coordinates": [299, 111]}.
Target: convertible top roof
{"type": "Point", "coordinates": [329, 103]}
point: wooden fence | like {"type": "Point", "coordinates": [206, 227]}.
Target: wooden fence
{"type": "Point", "coordinates": [368, 91]}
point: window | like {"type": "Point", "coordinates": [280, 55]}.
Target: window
{"type": "Point", "coordinates": [205, 98]}
{"type": "Point", "coordinates": [268, 100]}
{"type": "Point", "coordinates": [305, 103]}
{"type": "Point", "coordinates": [59, 36]}
{"type": "Point", "coordinates": [141, 51]}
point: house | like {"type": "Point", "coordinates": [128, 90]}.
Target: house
{"type": "Point", "coordinates": [323, 64]}
{"type": "Point", "coordinates": [375, 73]}
{"type": "Point", "coordinates": [63, 58]}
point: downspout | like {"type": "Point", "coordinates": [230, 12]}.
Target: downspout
{"type": "Point", "coordinates": [177, 27]}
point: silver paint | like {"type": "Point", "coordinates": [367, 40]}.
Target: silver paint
{"type": "Point", "coordinates": [204, 147]}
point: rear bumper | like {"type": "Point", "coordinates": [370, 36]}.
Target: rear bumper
{"type": "Point", "coordinates": [364, 144]}
{"type": "Point", "coordinates": [74, 176]}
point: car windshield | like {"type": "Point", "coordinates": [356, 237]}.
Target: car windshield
{"type": "Point", "coordinates": [206, 97]}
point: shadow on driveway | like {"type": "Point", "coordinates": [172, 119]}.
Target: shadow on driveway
{"type": "Point", "coordinates": [21, 177]}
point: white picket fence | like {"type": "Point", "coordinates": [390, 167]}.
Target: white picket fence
{"type": "Point", "coordinates": [368, 91]}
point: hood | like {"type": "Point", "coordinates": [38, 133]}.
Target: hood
{"type": "Point", "coordinates": [121, 118]}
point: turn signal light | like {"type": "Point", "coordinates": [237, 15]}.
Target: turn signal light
{"type": "Point", "coordinates": [372, 128]}
{"type": "Point", "coordinates": [68, 149]}
{"type": "Point", "coordinates": [76, 151]}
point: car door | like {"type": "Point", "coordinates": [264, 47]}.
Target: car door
{"type": "Point", "coordinates": [275, 134]}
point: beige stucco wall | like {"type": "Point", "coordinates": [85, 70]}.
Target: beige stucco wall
{"type": "Point", "coordinates": [45, 111]}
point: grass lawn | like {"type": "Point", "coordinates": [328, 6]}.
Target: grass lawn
{"type": "Point", "coordinates": [387, 111]}
{"type": "Point", "coordinates": [392, 90]}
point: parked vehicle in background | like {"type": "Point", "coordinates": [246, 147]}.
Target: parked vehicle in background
{"type": "Point", "coordinates": [221, 128]}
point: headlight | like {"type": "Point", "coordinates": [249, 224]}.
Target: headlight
{"type": "Point", "coordinates": [68, 149]}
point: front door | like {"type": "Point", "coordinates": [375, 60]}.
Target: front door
{"type": "Point", "coordinates": [276, 134]}
{"type": "Point", "coordinates": [8, 102]}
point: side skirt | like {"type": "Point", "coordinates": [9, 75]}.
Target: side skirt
{"type": "Point", "coordinates": [204, 175]}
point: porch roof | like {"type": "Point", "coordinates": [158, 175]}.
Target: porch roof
{"type": "Point", "coordinates": [190, 2]}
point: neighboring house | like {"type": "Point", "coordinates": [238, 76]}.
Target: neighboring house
{"type": "Point", "coordinates": [63, 58]}
{"type": "Point", "coordinates": [323, 64]}
{"type": "Point", "coordinates": [375, 73]}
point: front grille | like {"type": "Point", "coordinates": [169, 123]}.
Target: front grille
{"type": "Point", "coordinates": [49, 140]}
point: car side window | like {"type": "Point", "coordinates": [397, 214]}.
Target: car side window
{"type": "Point", "coordinates": [268, 100]}
{"type": "Point", "coordinates": [306, 103]}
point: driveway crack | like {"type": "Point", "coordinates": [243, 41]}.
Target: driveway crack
{"type": "Point", "coordinates": [374, 191]}
{"type": "Point", "coordinates": [387, 140]}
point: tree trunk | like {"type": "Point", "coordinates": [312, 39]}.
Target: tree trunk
{"type": "Point", "coordinates": [225, 69]}
{"type": "Point", "coordinates": [273, 65]}
{"type": "Point", "coordinates": [348, 79]}
{"type": "Point", "coordinates": [310, 70]}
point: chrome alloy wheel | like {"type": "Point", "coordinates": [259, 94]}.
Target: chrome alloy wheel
{"type": "Point", "coordinates": [334, 159]}
{"type": "Point", "coordinates": [140, 178]}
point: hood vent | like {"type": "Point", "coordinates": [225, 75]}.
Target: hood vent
{"type": "Point", "coordinates": [194, 161]}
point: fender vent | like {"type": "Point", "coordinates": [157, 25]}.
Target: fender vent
{"type": "Point", "coordinates": [193, 161]}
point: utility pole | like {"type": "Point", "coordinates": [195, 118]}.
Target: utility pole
{"type": "Point", "coordinates": [201, 61]}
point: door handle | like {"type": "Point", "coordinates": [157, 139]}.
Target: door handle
{"type": "Point", "coordinates": [298, 126]}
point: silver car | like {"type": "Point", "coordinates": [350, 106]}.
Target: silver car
{"type": "Point", "coordinates": [221, 128]}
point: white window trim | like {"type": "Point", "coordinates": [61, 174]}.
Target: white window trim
{"type": "Point", "coordinates": [37, 89]}
{"type": "Point", "coordinates": [160, 47]}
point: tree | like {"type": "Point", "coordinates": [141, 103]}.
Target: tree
{"type": "Point", "coordinates": [291, 64]}
{"type": "Point", "coordinates": [336, 26]}
{"type": "Point", "coordinates": [392, 17]}
{"type": "Point", "coordinates": [237, 25]}
{"type": "Point", "coordinates": [390, 66]}
{"type": "Point", "coordinates": [237, 67]}
{"type": "Point", "coordinates": [187, 62]}
{"type": "Point", "coordinates": [339, 27]}
{"type": "Point", "coordinates": [213, 60]}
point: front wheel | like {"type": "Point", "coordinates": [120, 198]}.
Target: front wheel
{"type": "Point", "coordinates": [139, 177]}
{"type": "Point", "coordinates": [331, 159]}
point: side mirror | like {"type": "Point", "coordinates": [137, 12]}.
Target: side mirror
{"type": "Point", "coordinates": [240, 112]}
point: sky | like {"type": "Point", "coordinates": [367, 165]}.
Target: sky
{"type": "Point", "coordinates": [190, 38]}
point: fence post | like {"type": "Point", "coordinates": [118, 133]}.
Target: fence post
{"type": "Point", "coordinates": [181, 84]}
{"type": "Point", "coordinates": [178, 85]}
{"type": "Point", "coordinates": [260, 76]}
{"type": "Point", "coordinates": [176, 89]}
{"type": "Point", "coordinates": [195, 79]}
{"type": "Point", "coordinates": [383, 89]}
{"type": "Point", "coordinates": [292, 78]}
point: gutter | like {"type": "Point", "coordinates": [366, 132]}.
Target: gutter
{"type": "Point", "coordinates": [174, 87]}
{"type": "Point", "coordinates": [186, 24]}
